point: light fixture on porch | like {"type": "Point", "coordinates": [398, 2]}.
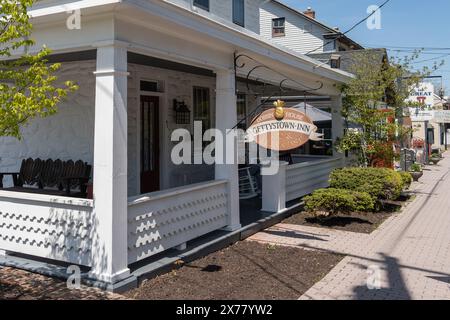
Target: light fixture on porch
{"type": "Point", "coordinates": [182, 112]}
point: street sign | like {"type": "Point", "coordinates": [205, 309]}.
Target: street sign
{"type": "Point", "coordinates": [282, 130]}
{"type": "Point", "coordinates": [423, 94]}
{"type": "Point", "coordinates": [421, 115]}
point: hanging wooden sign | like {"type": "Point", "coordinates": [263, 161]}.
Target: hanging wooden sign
{"type": "Point", "coordinates": [282, 129]}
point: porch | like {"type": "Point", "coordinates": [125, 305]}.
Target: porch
{"type": "Point", "coordinates": [120, 122]}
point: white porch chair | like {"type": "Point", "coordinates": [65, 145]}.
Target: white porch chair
{"type": "Point", "coordinates": [248, 185]}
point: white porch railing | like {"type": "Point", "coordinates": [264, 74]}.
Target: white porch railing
{"type": "Point", "coordinates": [295, 181]}
{"type": "Point", "coordinates": [167, 219]}
{"type": "Point", "coordinates": [57, 228]}
{"type": "Point", "coordinates": [304, 178]}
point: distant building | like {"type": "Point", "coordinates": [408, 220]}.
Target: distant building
{"type": "Point", "coordinates": [430, 121]}
{"type": "Point", "coordinates": [301, 31]}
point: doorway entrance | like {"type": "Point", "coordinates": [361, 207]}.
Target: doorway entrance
{"type": "Point", "coordinates": [150, 166]}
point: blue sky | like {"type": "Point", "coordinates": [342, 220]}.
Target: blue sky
{"type": "Point", "coordinates": [405, 23]}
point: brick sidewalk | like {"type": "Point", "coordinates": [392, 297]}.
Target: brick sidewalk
{"type": "Point", "coordinates": [409, 253]}
{"type": "Point", "coordinates": [22, 285]}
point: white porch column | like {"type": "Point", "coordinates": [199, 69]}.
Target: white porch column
{"type": "Point", "coordinates": [337, 122]}
{"type": "Point", "coordinates": [226, 119]}
{"type": "Point", "coordinates": [274, 189]}
{"type": "Point", "coordinates": [109, 253]}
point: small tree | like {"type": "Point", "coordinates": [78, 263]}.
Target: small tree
{"type": "Point", "coordinates": [27, 83]}
{"type": "Point", "coordinates": [376, 82]}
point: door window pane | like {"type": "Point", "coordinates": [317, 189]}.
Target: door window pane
{"type": "Point", "coordinates": [149, 142]}
{"type": "Point", "coordinates": [242, 111]}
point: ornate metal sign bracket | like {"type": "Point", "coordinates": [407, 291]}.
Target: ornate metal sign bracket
{"type": "Point", "coordinates": [242, 64]}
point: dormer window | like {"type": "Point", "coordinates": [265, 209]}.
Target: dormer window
{"type": "Point", "coordinates": [279, 27]}
{"type": "Point", "coordinates": [202, 4]}
{"type": "Point", "coordinates": [239, 12]}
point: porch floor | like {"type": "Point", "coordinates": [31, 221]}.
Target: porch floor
{"type": "Point", "coordinates": [250, 211]}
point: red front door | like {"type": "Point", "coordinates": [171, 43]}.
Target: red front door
{"type": "Point", "coordinates": [150, 144]}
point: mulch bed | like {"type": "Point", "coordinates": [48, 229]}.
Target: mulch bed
{"type": "Point", "coordinates": [360, 222]}
{"type": "Point", "coordinates": [17, 284]}
{"type": "Point", "coordinates": [245, 271]}
{"type": "Point", "coordinates": [357, 222]}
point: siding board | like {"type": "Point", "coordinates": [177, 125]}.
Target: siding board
{"type": "Point", "coordinates": [301, 34]}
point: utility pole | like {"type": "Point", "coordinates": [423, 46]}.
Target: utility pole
{"type": "Point", "coordinates": [427, 146]}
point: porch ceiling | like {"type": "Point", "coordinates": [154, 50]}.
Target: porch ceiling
{"type": "Point", "coordinates": [195, 30]}
{"type": "Point", "coordinates": [167, 31]}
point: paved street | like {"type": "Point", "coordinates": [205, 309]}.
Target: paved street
{"type": "Point", "coordinates": [409, 254]}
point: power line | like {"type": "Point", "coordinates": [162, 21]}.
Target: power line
{"type": "Point", "coordinates": [412, 47]}
{"type": "Point", "coordinates": [352, 28]}
{"type": "Point", "coordinates": [413, 51]}
{"type": "Point", "coordinates": [432, 59]}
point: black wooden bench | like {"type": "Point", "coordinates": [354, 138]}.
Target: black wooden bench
{"type": "Point", "coordinates": [55, 177]}
{"type": "Point", "coordinates": [287, 157]}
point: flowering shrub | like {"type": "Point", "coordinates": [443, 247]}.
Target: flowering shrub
{"type": "Point", "coordinates": [418, 143]}
{"type": "Point", "coordinates": [381, 155]}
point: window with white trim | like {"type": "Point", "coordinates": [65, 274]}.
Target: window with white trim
{"type": "Point", "coordinates": [278, 27]}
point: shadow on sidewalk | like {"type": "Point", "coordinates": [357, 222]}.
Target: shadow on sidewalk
{"type": "Point", "coordinates": [293, 234]}
{"type": "Point", "coordinates": [397, 287]}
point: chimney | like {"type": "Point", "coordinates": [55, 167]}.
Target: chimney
{"type": "Point", "coordinates": [310, 13]}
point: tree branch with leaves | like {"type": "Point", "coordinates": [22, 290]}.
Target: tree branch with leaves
{"type": "Point", "coordinates": [28, 84]}
{"type": "Point", "coordinates": [374, 99]}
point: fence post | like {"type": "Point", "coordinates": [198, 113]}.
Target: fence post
{"type": "Point", "coordinates": [274, 189]}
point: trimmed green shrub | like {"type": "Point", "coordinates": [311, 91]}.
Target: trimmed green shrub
{"type": "Point", "coordinates": [380, 183]}
{"type": "Point", "coordinates": [327, 202]}
{"type": "Point", "coordinates": [407, 179]}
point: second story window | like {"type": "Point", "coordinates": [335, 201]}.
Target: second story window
{"type": "Point", "coordinates": [279, 27]}
{"type": "Point", "coordinates": [203, 4]}
{"type": "Point", "coordinates": [239, 12]}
